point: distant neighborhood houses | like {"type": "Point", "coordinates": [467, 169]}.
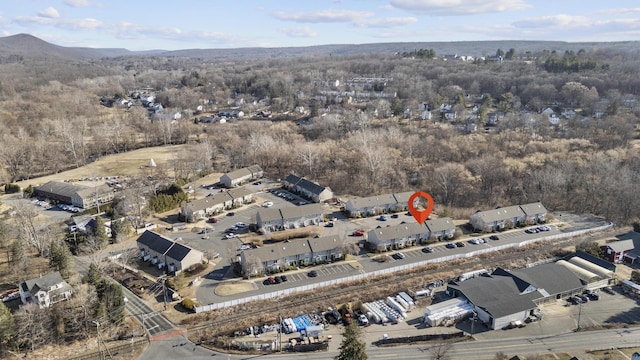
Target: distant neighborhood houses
{"type": "Point", "coordinates": [291, 254]}
{"type": "Point", "coordinates": [240, 176]}
{"type": "Point", "coordinates": [45, 290]}
{"type": "Point", "coordinates": [215, 204]}
{"type": "Point", "coordinates": [508, 217]}
{"type": "Point", "coordinates": [378, 204]}
{"type": "Point", "coordinates": [289, 217]}
{"type": "Point", "coordinates": [307, 188]}
{"type": "Point", "coordinates": [73, 194]}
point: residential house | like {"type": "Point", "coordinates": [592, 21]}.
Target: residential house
{"type": "Point", "coordinates": [505, 296]}
{"type": "Point", "coordinates": [307, 189]}
{"type": "Point", "coordinates": [216, 203]}
{"type": "Point", "coordinates": [445, 107]}
{"type": "Point", "coordinates": [450, 115]}
{"type": "Point", "coordinates": [289, 217]}
{"type": "Point", "coordinates": [534, 212]}
{"type": "Point", "coordinates": [326, 249]}
{"type": "Point", "coordinates": [45, 290]}
{"type": "Point", "coordinates": [237, 177]}
{"type": "Point", "coordinates": [402, 201]}
{"type": "Point", "coordinates": [397, 237]}
{"type": "Point", "coordinates": [441, 228]}
{"type": "Point", "coordinates": [497, 219]}
{"type": "Point", "coordinates": [239, 196]}
{"type": "Point", "coordinates": [621, 251]}
{"type": "Point", "coordinates": [269, 220]}
{"type": "Point", "coordinates": [301, 216]}
{"type": "Point", "coordinates": [289, 254]}
{"type": "Point", "coordinates": [372, 205]}
{"type": "Point", "coordinates": [166, 253]}
{"type": "Point", "coordinates": [87, 224]}
{"type": "Point", "coordinates": [568, 113]}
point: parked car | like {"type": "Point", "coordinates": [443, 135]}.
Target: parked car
{"type": "Point", "coordinates": [427, 249]}
{"type": "Point", "coordinates": [329, 224]}
{"type": "Point", "coordinates": [382, 218]}
{"type": "Point", "coordinates": [213, 220]}
{"type": "Point", "coordinates": [459, 244]}
{"type": "Point", "coordinates": [494, 237]}
{"type": "Point", "coordinates": [284, 278]}
{"type": "Point", "coordinates": [230, 213]}
{"type": "Point", "coordinates": [245, 247]}
{"type": "Point", "coordinates": [257, 183]}
{"type": "Point", "coordinates": [593, 296]}
{"type": "Point", "coordinates": [230, 235]}
{"type": "Point", "coordinates": [266, 282]}
{"type": "Point", "coordinates": [357, 233]}
{"type": "Point", "coordinates": [476, 241]}
{"type": "Point", "coordinates": [451, 246]}
{"type": "Point", "coordinates": [278, 279]}
{"type": "Point", "coordinates": [398, 256]}
{"type": "Point", "coordinates": [271, 280]}
{"type": "Point", "coordinates": [312, 273]}
{"type": "Point", "coordinates": [267, 204]}
{"type": "Point", "coordinates": [394, 216]}
{"type": "Point", "coordinates": [543, 228]}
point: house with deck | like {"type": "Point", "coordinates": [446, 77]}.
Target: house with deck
{"type": "Point", "coordinates": [166, 253]}
{"type": "Point", "coordinates": [45, 290]}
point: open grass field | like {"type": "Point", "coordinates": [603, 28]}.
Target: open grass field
{"type": "Point", "coordinates": [124, 164]}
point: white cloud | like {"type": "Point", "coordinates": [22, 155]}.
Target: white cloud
{"type": "Point", "coordinates": [324, 16]}
{"type": "Point", "coordinates": [619, 11]}
{"type": "Point", "coordinates": [78, 3]}
{"type": "Point", "coordinates": [386, 22]}
{"type": "Point", "coordinates": [554, 20]}
{"type": "Point", "coordinates": [49, 12]}
{"type": "Point", "coordinates": [299, 32]}
{"type": "Point", "coordinates": [459, 7]}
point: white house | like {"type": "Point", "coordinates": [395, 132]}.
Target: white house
{"type": "Point", "coordinates": [45, 290]}
{"type": "Point", "coordinates": [237, 177]}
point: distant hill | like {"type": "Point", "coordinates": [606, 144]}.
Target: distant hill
{"type": "Point", "coordinates": [28, 46]}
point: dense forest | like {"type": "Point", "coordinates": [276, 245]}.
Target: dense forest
{"type": "Point", "coordinates": [559, 127]}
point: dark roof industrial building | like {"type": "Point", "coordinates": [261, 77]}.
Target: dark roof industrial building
{"type": "Point", "coordinates": [505, 296]}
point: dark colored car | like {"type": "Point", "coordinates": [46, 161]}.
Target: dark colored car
{"type": "Point", "coordinates": [460, 244]}
{"type": "Point", "coordinates": [451, 246]}
{"type": "Point", "coordinates": [494, 237]}
{"type": "Point", "coordinates": [312, 273]}
{"type": "Point", "coordinates": [231, 214]}
{"type": "Point", "coordinates": [593, 296]}
{"type": "Point", "coordinates": [213, 220]}
{"type": "Point", "coordinates": [394, 216]}
{"type": "Point", "coordinates": [266, 282]}
{"type": "Point", "coordinates": [278, 279]}
{"type": "Point", "coordinates": [284, 278]}
{"type": "Point", "coordinates": [427, 250]}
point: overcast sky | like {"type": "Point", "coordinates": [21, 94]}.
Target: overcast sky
{"type": "Point", "coordinates": [186, 24]}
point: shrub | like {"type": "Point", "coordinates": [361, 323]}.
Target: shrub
{"type": "Point", "coordinates": [12, 188]}
{"type": "Point", "coordinates": [188, 304]}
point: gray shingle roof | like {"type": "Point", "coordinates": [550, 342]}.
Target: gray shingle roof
{"type": "Point", "coordinates": [236, 174]}
{"type": "Point", "coordinates": [269, 215]}
{"type": "Point", "coordinates": [61, 188]}
{"type": "Point", "coordinates": [155, 241]}
{"type": "Point", "coordinates": [399, 231]}
{"type": "Point", "coordinates": [533, 208]}
{"type": "Point", "coordinates": [500, 214]}
{"type": "Point", "coordinates": [440, 224]}
{"type": "Point", "coordinates": [325, 243]}
{"type": "Point", "coordinates": [553, 278]}
{"type": "Point", "coordinates": [293, 212]}
{"type": "Point", "coordinates": [238, 193]}
{"type": "Point", "coordinates": [372, 201]}
{"type": "Point", "coordinates": [403, 197]}
{"type": "Point", "coordinates": [43, 282]}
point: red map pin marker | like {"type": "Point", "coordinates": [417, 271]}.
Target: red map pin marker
{"type": "Point", "coordinates": [421, 216]}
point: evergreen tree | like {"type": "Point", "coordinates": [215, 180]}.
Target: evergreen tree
{"type": "Point", "coordinates": [94, 276]}
{"type": "Point", "coordinates": [7, 327]}
{"type": "Point", "coordinates": [100, 233]}
{"type": "Point", "coordinates": [60, 258]}
{"type": "Point", "coordinates": [110, 295]}
{"type": "Point", "coordinates": [352, 348]}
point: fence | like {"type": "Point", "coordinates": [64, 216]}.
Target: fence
{"type": "Point", "coordinates": [290, 291]}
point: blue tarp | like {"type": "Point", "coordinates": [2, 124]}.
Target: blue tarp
{"type": "Point", "coordinates": [302, 322]}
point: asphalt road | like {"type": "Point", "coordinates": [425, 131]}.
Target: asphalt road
{"type": "Point", "coordinates": [484, 349]}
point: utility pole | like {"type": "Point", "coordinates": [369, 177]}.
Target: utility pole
{"type": "Point", "coordinates": [164, 292]}
{"type": "Point", "coordinates": [101, 343]}
{"type": "Point", "coordinates": [579, 315]}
